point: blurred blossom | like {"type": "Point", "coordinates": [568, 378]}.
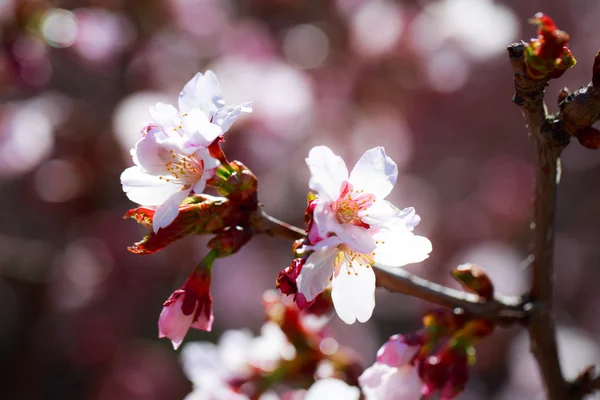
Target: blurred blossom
{"type": "Point", "coordinates": [348, 7]}
{"type": "Point", "coordinates": [332, 389]}
{"type": "Point", "coordinates": [59, 27]}
{"type": "Point", "coordinates": [282, 96]}
{"type": "Point", "coordinates": [31, 62]}
{"type": "Point", "coordinates": [376, 27]}
{"type": "Point", "coordinates": [481, 27]}
{"type": "Point", "coordinates": [248, 38]}
{"type": "Point", "coordinates": [212, 368]}
{"type": "Point", "coordinates": [101, 34]}
{"type": "Point", "coordinates": [200, 17]}
{"type": "Point", "coordinates": [57, 181]}
{"type": "Point", "coordinates": [131, 116]}
{"type": "Point", "coordinates": [85, 264]}
{"type": "Point", "coordinates": [577, 349]}
{"type": "Point", "coordinates": [447, 70]}
{"type": "Point", "coordinates": [502, 263]}
{"type": "Point", "coordinates": [306, 46]}
{"type": "Point", "coordinates": [26, 132]}
{"type": "Point", "coordinates": [29, 48]}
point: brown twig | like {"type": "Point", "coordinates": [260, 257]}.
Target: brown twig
{"type": "Point", "coordinates": [550, 135]}
{"type": "Point", "coordinates": [502, 310]}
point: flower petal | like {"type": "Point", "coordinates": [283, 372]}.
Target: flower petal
{"type": "Point", "coordinates": [226, 116]}
{"type": "Point", "coordinates": [167, 212]}
{"type": "Point", "coordinates": [202, 91]}
{"type": "Point", "coordinates": [399, 247]}
{"type": "Point", "coordinates": [358, 238]}
{"type": "Point", "coordinates": [374, 173]}
{"type": "Point", "coordinates": [396, 352]}
{"type": "Point", "coordinates": [328, 172]}
{"type": "Point", "coordinates": [152, 153]}
{"type": "Point", "coordinates": [199, 131]}
{"type": "Point", "coordinates": [316, 272]}
{"type": "Point", "coordinates": [165, 115]}
{"type": "Point", "coordinates": [382, 382]}
{"type": "Point", "coordinates": [145, 189]}
{"type": "Point", "coordinates": [379, 213]}
{"type": "Point", "coordinates": [203, 323]}
{"type": "Point", "coordinates": [353, 293]}
{"type": "Point", "coordinates": [330, 388]}
{"type": "Point", "coordinates": [173, 323]}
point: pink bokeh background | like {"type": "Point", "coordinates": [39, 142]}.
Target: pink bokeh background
{"type": "Point", "coordinates": [429, 80]}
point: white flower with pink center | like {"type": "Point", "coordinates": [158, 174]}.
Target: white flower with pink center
{"type": "Point", "coordinates": [357, 228]}
{"type": "Point", "coordinates": [166, 172]}
{"type": "Point", "coordinates": [172, 158]}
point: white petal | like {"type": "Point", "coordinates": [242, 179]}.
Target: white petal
{"type": "Point", "coordinates": [382, 382]}
{"type": "Point", "coordinates": [399, 247]}
{"type": "Point", "coordinates": [201, 363]}
{"type": "Point", "coordinates": [316, 272]}
{"type": "Point", "coordinates": [328, 173]}
{"type": "Point", "coordinates": [246, 107]}
{"type": "Point", "coordinates": [379, 213]}
{"type": "Point", "coordinates": [332, 389]}
{"type": "Point", "coordinates": [145, 189]}
{"type": "Point", "coordinates": [202, 91]}
{"type": "Point", "coordinates": [165, 115]}
{"type": "Point", "coordinates": [410, 218]}
{"type": "Point", "coordinates": [226, 116]}
{"type": "Point", "coordinates": [152, 153]}
{"type": "Point", "coordinates": [198, 129]}
{"type": "Point", "coordinates": [374, 173]}
{"type": "Point", "coordinates": [359, 239]}
{"type": "Point", "coordinates": [353, 293]}
{"type": "Point", "coordinates": [167, 212]}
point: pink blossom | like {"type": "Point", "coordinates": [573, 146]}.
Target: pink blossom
{"type": "Point", "coordinates": [358, 229]}
{"type": "Point", "coordinates": [190, 306]}
{"type": "Point", "coordinates": [393, 376]}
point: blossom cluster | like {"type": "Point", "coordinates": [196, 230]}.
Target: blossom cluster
{"type": "Point", "coordinates": [290, 347]}
{"type": "Point", "coordinates": [350, 229]}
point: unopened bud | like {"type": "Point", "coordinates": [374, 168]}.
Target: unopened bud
{"type": "Point", "coordinates": [589, 137]}
{"type": "Point", "coordinates": [473, 278]}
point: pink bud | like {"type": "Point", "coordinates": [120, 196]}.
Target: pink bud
{"type": "Point", "coordinates": [396, 352]}
{"type": "Point", "coordinates": [190, 306]}
{"type": "Point", "coordinates": [286, 280]}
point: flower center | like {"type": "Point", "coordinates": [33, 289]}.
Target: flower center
{"type": "Point", "coordinates": [350, 204]}
{"type": "Point", "coordinates": [352, 260]}
{"type": "Point", "coordinates": [185, 169]}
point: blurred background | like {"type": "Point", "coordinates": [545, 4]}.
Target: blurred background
{"type": "Point", "coordinates": [429, 80]}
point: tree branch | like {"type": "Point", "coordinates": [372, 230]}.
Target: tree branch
{"type": "Point", "coordinates": [502, 310]}
{"type": "Point", "coordinates": [529, 95]}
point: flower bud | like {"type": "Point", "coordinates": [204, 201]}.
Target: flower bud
{"type": "Point", "coordinates": [547, 56]}
{"type": "Point", "coordinates": [286, 280]}
{"type": "Point", "coordinates": [473, 278]}
{"type": "Point", "coordinates": [229, 241]}
{"type": "Point", "coordinates": [589, 137]}
{"type": "Point", "coordinates": [190, 306]}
